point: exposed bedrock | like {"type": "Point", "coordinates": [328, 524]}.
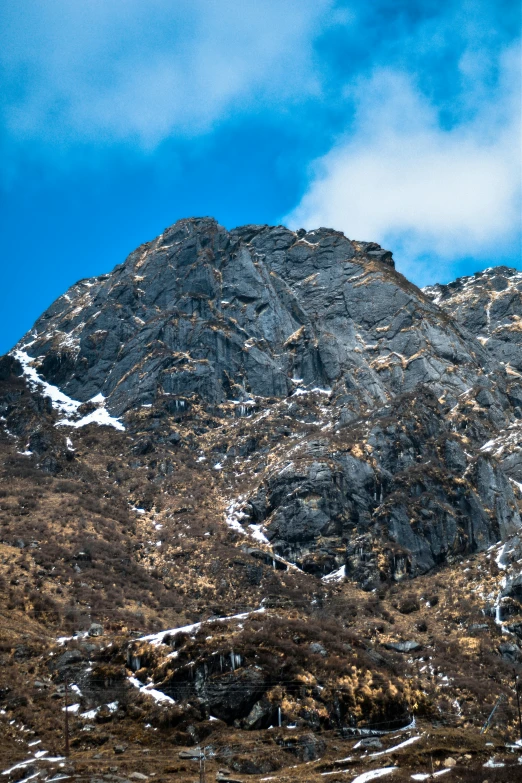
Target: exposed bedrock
{"type": "Point", "coordinates": [489, 305]}
{"type": "Point", "coordinates": [393, 496]}
{"type": "Point", "coordinates": [390, 473]}
{"type": "Point", "coordinates": [203, 311]}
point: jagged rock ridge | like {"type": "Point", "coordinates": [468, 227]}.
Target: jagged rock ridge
{"type": "Point", "coordinates": [489, 305]}
{"type": "Point", "coordinates": [258, 310]}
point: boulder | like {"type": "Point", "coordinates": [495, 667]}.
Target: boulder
{"type": "Point", "coordinates": [191, 753]}
{"type": "Point", "coordinates": [403, 647]}
{"type": "Point", "coordinates": [223, 776]}
{"type": "Point", "coordinates": [69, 658]}
{"type": "Point", "coordinates": [370, 742]}
{"type": "Point", "coordinates": [510, 652]}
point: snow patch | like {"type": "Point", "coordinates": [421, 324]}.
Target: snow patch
{"type": "Point", "coordinates": [148, 690]}
{"type": "Point", "coordinates": [492, 764]}
{"type": "Point", "coordinates": [30, 777]}
{"type": "Point", "coordinates": [100, 416]}
{"type": "Point", "coordinates": [315, 390]}
{"type": "Point", "coordinates": [80, 635]}
{"type": "Point", "coordinates": [257, 534]}
{"type": "Point", "coordinates": [234, 514]}
{"type": "Point", "coordinates": [233, 517]}
{"type": "Point", "coordinates": [71, 708]}
{"type": "Point", "coordinates": [157, 638]}
{"type": "Point", "coordinates": [91, 714]}
{"type": "Point", "coordinates": [39, 756]}
{"type": "Point", "coordinates": [374, 774]}
{"type": "Point", "coordinates": [61, 402]}
{"type": "Point", "coordinates": [335, 576]}
{"type": "Point", "coordinates": [409, 741]}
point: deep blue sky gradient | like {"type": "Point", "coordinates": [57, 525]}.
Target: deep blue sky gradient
{"type": "Point", "coordinates": [77, 197]}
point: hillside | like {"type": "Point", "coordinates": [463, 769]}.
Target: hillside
{"type": "Point", "coordinates": [261, 495]}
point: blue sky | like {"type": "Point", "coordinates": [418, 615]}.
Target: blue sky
{"type": "Point", "coordinates": [393, 120]}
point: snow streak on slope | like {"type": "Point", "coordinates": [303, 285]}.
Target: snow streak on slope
{"type": "Point", "coordinates": [61, 402]}
{"type": "Point", "coordinates": [508, 440]}
{"type": "Point", "coordinates": [157, 638]}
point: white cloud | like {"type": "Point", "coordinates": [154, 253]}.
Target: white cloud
{"type": "Point", "coordinates": [401, 179]}
{"type": "Point", "coordinates": [140, 70]}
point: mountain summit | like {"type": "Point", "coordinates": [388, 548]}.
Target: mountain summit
{"type": "Point", "coordinates": [260, 322]}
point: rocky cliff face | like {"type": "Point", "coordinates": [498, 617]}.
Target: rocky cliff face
{"type": "Point", "coordinates": [489, 305]}
{"type": "Point", "coordinates": [260, 493]}
{"type": "Point", "coordinates": [256, 311]}
{"type": "Point", "coordinates": [356, 408]}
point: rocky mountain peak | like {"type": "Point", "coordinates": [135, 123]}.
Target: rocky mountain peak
{"type": "Point", "coordinates": [317, 336]}
{"type": "Point", "coordinates": [195, 295]}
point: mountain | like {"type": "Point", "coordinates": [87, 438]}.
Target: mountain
{"type": "Point", "coordinates": [274, 445]}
